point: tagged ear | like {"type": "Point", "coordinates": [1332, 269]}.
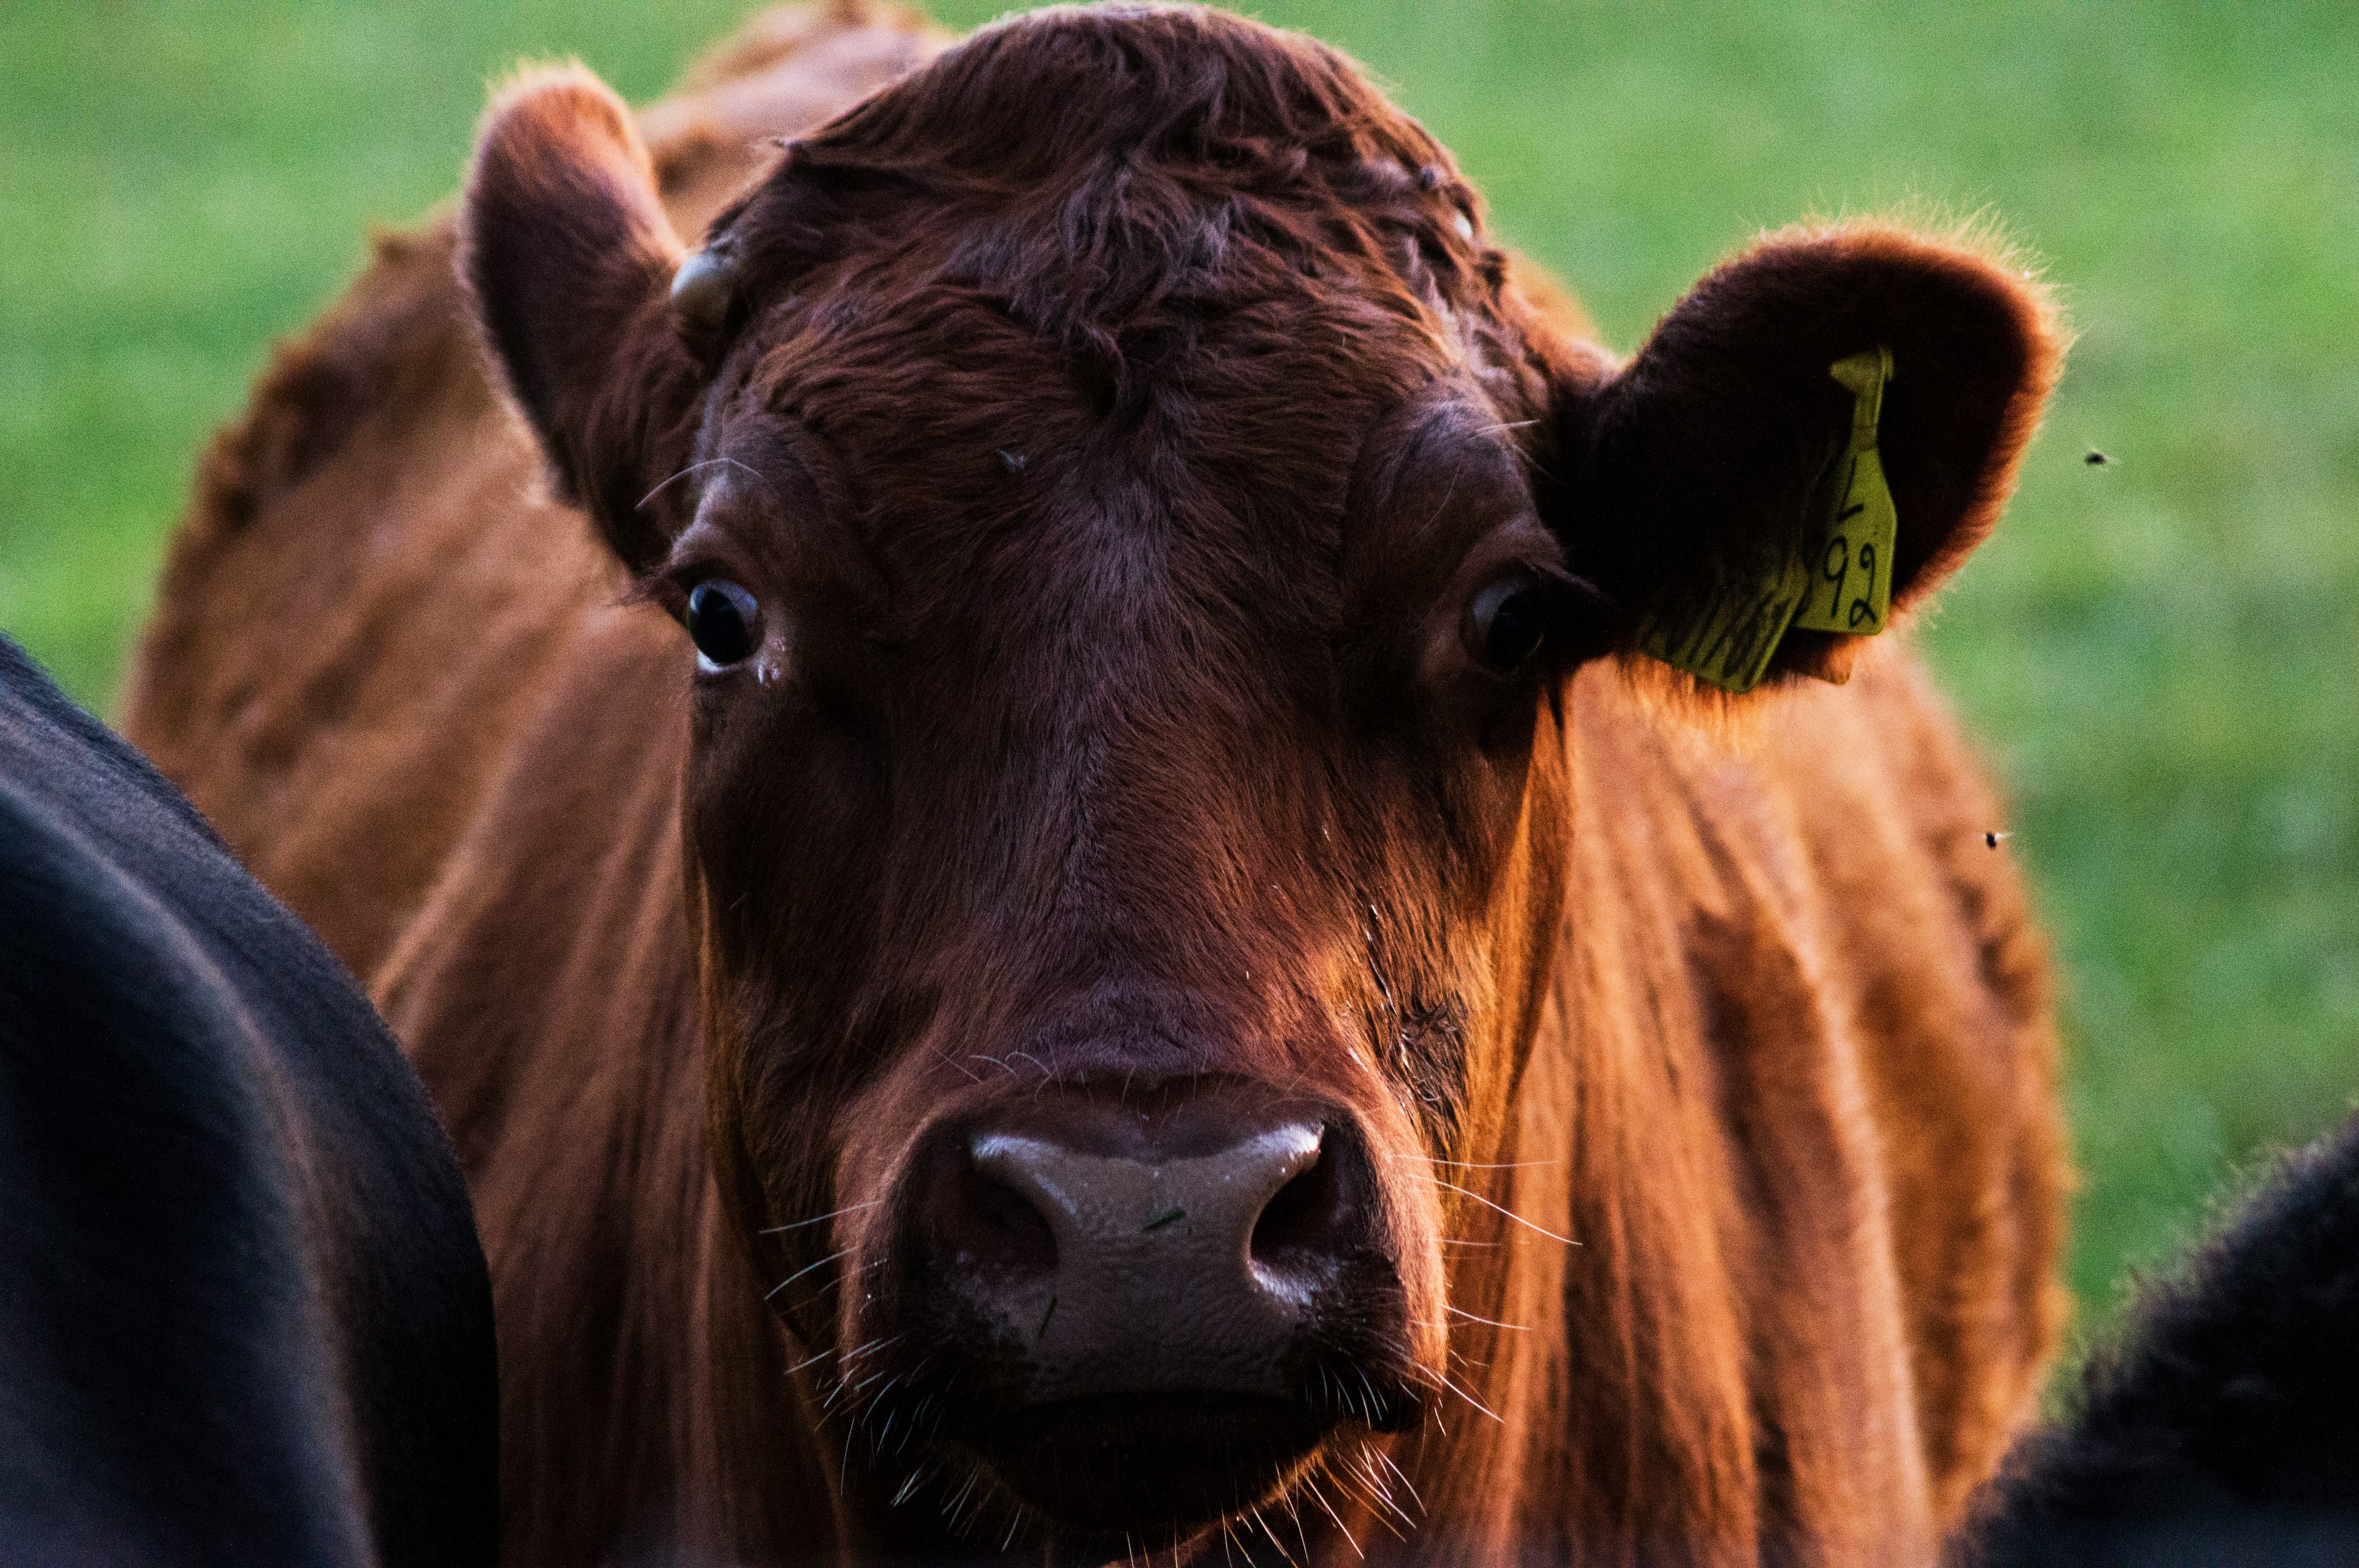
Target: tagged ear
{"type": "Point", "coordinates": [1812, 441]}
{"type": "Point", "coordinates": [569, 259]}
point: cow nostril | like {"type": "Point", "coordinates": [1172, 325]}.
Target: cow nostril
{"type": "Point", "coordinates": [1004, 1208]}
{"type": "Point", "coordinates": [998, 1228]}
{"type": "Point", "coordinates": [1300, 1217]}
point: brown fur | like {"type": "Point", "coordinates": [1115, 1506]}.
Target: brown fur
{"type": "Point", "coordinates": [1132, 419]}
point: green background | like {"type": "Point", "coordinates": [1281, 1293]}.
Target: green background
{"type": "Point", "coordinates": [2158, 653]}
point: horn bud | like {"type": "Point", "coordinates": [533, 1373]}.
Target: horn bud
{"type": "Point", "coordinates": [704, 287]}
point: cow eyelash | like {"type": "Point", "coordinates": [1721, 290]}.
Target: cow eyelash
{"type": "Point", "coordinates": [1583, 623]}
{"type": "Point", "coordinates": [669, 585]}
{"type": "Point", "coordinates": [661, 589]}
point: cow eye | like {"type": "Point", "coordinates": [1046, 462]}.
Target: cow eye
{"type": "Point", "coordinates": [1507, 620]}
{"type": "Point", "coordinates": [721, 619]}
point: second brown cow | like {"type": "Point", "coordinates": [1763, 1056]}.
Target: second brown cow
{"type": "Point", "coordinates": [1051, 893]}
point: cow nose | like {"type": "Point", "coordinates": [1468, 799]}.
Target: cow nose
{"type": "Point", "coordinates": [1150, 1311]}
{"type": "Point", "coordinates": [1121, 1261]}
{"type": "Point", "coordinates": [1209, 1212]}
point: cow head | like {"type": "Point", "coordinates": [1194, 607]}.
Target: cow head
{"type": "Point", "coordinates": [1133, 540]}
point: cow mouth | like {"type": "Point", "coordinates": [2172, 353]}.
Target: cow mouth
{"type": "Point", "coordinates": [1152, 1462]}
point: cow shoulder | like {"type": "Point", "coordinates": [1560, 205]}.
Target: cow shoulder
{"type": "Point", "coordinates": [1943, 975]}
{"type": "Point", "coordinates": [1816, 879]}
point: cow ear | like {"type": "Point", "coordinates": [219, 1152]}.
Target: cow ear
{"type": "Point", "coordinates": [1812, 441]}
{"type": "Point", "coordinates": [569, 260]}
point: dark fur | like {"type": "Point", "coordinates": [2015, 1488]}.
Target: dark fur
{"type": "Point", "coordinates": [244, 1317]}
{"type": "Point", "coordinates": [2221, 1425]}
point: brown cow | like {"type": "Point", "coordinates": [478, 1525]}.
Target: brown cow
{"type": "Point", "coordinates": [1051, 900]}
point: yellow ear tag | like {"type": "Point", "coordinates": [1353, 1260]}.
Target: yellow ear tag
{"type": "Point", "coordinates": [1849, 588]}
{"type": "Point", "coordinates": [1724, 630]}
{"type": "Point", "coordinates": [1725, 627]}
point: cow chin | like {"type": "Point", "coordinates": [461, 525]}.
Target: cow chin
{"type": "Point", "coordinates": [1150, 1465]}
{"type": "Point", "coordinates": [1143, 1456]}
{"type": "Point", "coordinates": [1156, 1464]}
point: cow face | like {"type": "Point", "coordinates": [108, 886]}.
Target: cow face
{"type": "Point", "coordinates": [1133, 540]}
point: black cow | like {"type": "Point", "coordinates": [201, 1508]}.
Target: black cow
{"type": "Point", "coordinates": [244, 1313]}
{"type": "Point", "coordinates": [2221, 1426]}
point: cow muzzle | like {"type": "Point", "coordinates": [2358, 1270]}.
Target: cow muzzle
{"type": "Point", "coordinates": [1155, 1311]}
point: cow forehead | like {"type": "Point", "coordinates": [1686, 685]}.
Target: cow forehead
{"type": "Point", "coordinates": [1134, 188]}
{"type": "Point", "coordinates": [1064, 102]}
{"type": "Point", "coordinates": [932, 404]}
{"type": "Point", "coordinates": [980, 472]}
{"type": "Point", "coordinates": [1105, 307]}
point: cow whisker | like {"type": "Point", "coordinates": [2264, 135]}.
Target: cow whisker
{"type": "Point", "coordinates": [863, 1408]}
{"type": "Point", "coordinates": [1494, 1323]}
{"type": "Point", "coordinates": [1311, 1485]}
{"type": "Point", "coordinates": [1370, 1488]}
{"type": "Point", "coordinates": [822, 1220]}
{"type": "Point", "coordinates": [1449, 494]}
{"type": "Point", "coordinates": [1470, 1399]}
{"type": "Point", "coordinates": [790, 1279]}
{"type": "Point", "coordinates": [1335, 1470]}
{"type": "Point", "coordinates": [958, 1504]}
{"type": "Point", "coordinates": [1386, 1460]}
{"type": "Point", "coordinates": [838, 1385]}
{"type": "Point", "coordinates": [1511, 1213]}
{"type": "Point", "coordinates": [1465, 1363]}
{"type": "Point", "coordinates": [838, 1281]}
{"type": "Point", "coordinates": [1269, 1534]}
{"type": "Point", "coordinates": [1301, 1538]}
{"type": "Point", "coordinates": [1369, 1387]}
{"type": "Point", "coordinates": [691, 469]}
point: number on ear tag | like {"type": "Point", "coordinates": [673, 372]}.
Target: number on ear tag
{"type": "Point", "coordinates": [1850, 565]}
{"type": "Point", "coordinates": [1727, 632]}
{"type": "Point", "coordinates": [1727, 628]}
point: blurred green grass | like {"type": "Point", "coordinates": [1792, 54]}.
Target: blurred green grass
{"type": "Point", "coordinates": [2160, 652]}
